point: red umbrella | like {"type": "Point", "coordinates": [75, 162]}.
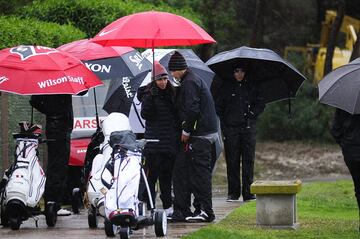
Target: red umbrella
{"type": "Point", "coordinates": [86, 50]}
{"type": "Point", "coordinates": [35, 70]}
{"type": "Point", "coordinates": [152, 29]}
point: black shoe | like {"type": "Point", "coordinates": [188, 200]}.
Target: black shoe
{"type": "Point", "coordinates": [249, 198]}
{"type": "Point", "coordinates": [177, 216]}
{"type": "Point", "coordinates": [201, 217]}
{"type": "Point", "coordinates": [197, 211]}
{"type": "Point", "coordinates": [231, 198]}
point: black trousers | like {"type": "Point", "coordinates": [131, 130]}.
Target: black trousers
{"type": "Point", "coordinates": [192, 174]}
{"type": "Point", "coordinates": [352, 160]}
{"type": "Point", "coordinates": [160, 166]}
{"type": "Point", "coordinates": [240, 147]}
{"type": "Point", "coordinates": [57, 165]}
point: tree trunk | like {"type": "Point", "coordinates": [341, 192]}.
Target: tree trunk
{"type": "Point", "coordinates": [333, 36]}
{"type": "Point", "coordinates": [356, 49]}
{"type": "Point", "coordinates": [206, 50]}
{"type": "Point", "coordinates": [258, 28]}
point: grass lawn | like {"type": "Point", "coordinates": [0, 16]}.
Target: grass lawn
{"type": "Point", "coordinates": [325, 209]}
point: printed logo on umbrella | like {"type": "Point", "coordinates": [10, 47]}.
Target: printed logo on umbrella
{"type": "Point", "coordinates": [3, 79]}
{"type": "Point", "coordinates": [62, 80]}
{"type": "Point", "coordinates": [26, 52]}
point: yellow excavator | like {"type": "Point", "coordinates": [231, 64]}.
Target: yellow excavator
{"type": "Point", "coordinates": [315, 54]}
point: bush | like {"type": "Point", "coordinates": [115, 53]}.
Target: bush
{"type": "Point", "coordinates": [310, 120]}
{"type": "Point", "coordinates": [92, 15]}
{"type": "Point", "coordinates": [15, 31]}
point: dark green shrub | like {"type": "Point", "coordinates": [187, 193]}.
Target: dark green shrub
{"type": "Point", "coordinates": [92, 15]}
{"type": "Point", "coordinates": [15, 31]}
{"type": "Point", "coordinates": [310, 120]}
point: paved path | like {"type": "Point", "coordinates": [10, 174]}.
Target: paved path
{"type": "Point", "coordinates": [76, 226]}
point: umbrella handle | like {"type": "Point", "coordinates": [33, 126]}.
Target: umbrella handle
{"type": "Point", "coordinates": [96, 112]}
{"type": "Point", "coordinates": [32, 116]}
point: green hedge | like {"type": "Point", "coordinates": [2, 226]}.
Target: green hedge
{"type": "Point", "coordinates": [15, 31]}
{"type": "Point", "coordinates": [309, 120]}
{"type": "Point", "coordinates": [92, 15]}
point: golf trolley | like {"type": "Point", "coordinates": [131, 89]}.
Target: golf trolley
{"type": "Point", "coordinates": [114, 181]}
{"type": "Point", "coordinates": [23, 183]}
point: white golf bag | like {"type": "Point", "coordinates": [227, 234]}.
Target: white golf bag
{"type": "Point", "coordinates": [25, 179]}
{"type": "Point", "coordinates": [96, 190]}
{"type": "Point", "coordinates": [125, 178]}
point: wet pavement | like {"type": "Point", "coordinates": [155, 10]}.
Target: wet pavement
{"type": "Point", "coordinates": [76, 226]}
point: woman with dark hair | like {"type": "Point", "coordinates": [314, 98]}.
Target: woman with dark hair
{"type": "Point", "coordinates": [158, 110]}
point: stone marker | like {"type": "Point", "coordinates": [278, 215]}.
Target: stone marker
{"type": "Point", "coordinates": [276, 203]}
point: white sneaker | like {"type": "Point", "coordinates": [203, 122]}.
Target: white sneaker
{"type": "Point", "coordinates": [169, 211]}
{"type": "Point", "coordinates": [63, 212]}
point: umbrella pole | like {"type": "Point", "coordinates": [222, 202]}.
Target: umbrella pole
{"type": "Point", "coordinates": [153, 66]}
{"type": "Point", "coordinates": [289, 102]}
{"type": "Point", "coordinates": [96, 112]}
{"type": "Point", "coordinates": [32, 116]}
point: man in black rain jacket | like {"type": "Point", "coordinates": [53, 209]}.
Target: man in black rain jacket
{"type": "Point", "coordinates": [192, 169]}
{"type": "Point", "coordinates": [238, 104]}
{"type": "Point", "coordinates": [59, 124]}
{"type": "Point", "coordinates": [346, 132]}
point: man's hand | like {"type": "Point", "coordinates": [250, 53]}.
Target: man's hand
{"type": "Point", "coordinates": [184, 138]}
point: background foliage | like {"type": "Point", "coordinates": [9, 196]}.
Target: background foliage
{"type": "Point", "coordinates": [231, 23]}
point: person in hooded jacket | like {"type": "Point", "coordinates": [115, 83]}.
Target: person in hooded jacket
{"type": "Point", "coordinates": [238, 104]}
{"type": "Point", "coordinates": [59, 124]}
{"type": "Point", "coordinates": [346, 132]}
{"type": "Point", "coordinates": [159, 111]}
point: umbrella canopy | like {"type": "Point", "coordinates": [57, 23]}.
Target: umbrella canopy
{"type": "Point", "coordinates": [341, 87]}
{"type": "Point", "coordinates": [152, 29]}
{"type": "Point", "coordinates": [86, 50]}
{"type": "Point", "coordinates": [35, 70]}
{"type": "Point", "coordinates": [278, 78]}
{"type": "Point", "coordinates": [121, 68]}
{"type": "Point", "coordinates": [192, 60]}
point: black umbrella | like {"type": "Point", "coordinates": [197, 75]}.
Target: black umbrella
{"type": "Point", "coordinates": [341, 87]}
{"type": "Point", "coordinates": [163, 56]}
{"type": "Point", "coordinates": [130, 71]}
{"type": "Point", "coordinates": [278, 78]}
{"type": "Point", "coordinates": [192, 60]}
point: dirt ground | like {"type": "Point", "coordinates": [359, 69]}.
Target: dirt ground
{"type": "Point", "coordinates": [294, 160]}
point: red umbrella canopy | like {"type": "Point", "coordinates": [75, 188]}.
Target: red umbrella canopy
{"type": "Point", "coordinates": [86, 50]}
{"type": "Point", "coordinates": [152, 29]}
{"type": "Point", "coordinates": [32, 70]}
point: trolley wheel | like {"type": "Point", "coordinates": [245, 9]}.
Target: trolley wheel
{"type": "Point", "coordinates": [15, 223]}
{"type": "Point", "coordinates": [110, 229]}
{"type": "Point", "coordinates": [125, 233]}
{"type": "Point", "coordinates": [92, 217]}
{"type": "Point", "coordinates": [160, 223]}
{"type": "Point", "coordinates": [50, 214]}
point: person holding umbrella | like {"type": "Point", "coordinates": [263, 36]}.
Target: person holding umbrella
{"type": "Point", "coordinates": [192, 169]}
{"type": "Point", "coordinates": [346, 132]}
{"type": "Point", "coordinates": [158, 109]}
{"type": "Point", "coordinates": [59, 124]}
{"type": "Point", "coordinates": [238, 104]}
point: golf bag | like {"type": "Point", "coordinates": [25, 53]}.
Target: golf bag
{"type": "Point", "coordinates": [96, 190]}
{"type": "Point", "coordinates": [114, 182]}
{"type": "Point", "coordinates": [24, 182]}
